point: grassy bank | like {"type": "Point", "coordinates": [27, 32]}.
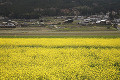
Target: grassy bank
{"type": "Point", "coordinates": [84, 36]}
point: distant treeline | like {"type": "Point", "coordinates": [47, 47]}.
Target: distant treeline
{"type": "Point", "coordinates": [38, 8]}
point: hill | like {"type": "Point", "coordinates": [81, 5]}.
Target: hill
{"type": "Point", "coordinates": [37, 8]}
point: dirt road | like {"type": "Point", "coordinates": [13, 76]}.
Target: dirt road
{"type": "Point", "coordinates": [45, 31]}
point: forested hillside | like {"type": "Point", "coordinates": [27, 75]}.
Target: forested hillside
{"type": "Point", "coordinates": [37, 8]}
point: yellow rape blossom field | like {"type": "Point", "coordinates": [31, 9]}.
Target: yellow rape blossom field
{"type": "Point", "coordinates": [59, 58]}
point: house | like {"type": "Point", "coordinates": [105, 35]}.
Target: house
{"type": "Point", "coordinates": [108, 22]}
{"type": "Point", "coordinates": [98, 22]}
{"type": "Point", "coordinates": [117, 20]}
{"type": "Point", "coordinates": [8, 24]}
{"type": "Point", "coordinates": [1, 18]}
{"type": "Point", "coordinates": [68, 21]}
{"type": "Point", "coordinates": [103, 21]}
{"type": "Point", "coordinates": [87, 20]}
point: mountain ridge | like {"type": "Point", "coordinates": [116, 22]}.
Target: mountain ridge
{"type": "Point", "coordinates": [36, 8]}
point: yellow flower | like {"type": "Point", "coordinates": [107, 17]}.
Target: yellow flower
{"type": "Point", "coordinates": [59, 58]}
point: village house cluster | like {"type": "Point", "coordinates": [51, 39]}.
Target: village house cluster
{"type": "Point", "coordinates": [82, 20]}
{"type": "Point", "coordinates": [7, 23]}
{"type": "Point", "coordinates": [97, 19]}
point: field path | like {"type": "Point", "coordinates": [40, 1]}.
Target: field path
{"type": "Point", "coordinates": [39, 31]}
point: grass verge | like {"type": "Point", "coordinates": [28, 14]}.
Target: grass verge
{"type": "Point", "coordinates": [84, 36]}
